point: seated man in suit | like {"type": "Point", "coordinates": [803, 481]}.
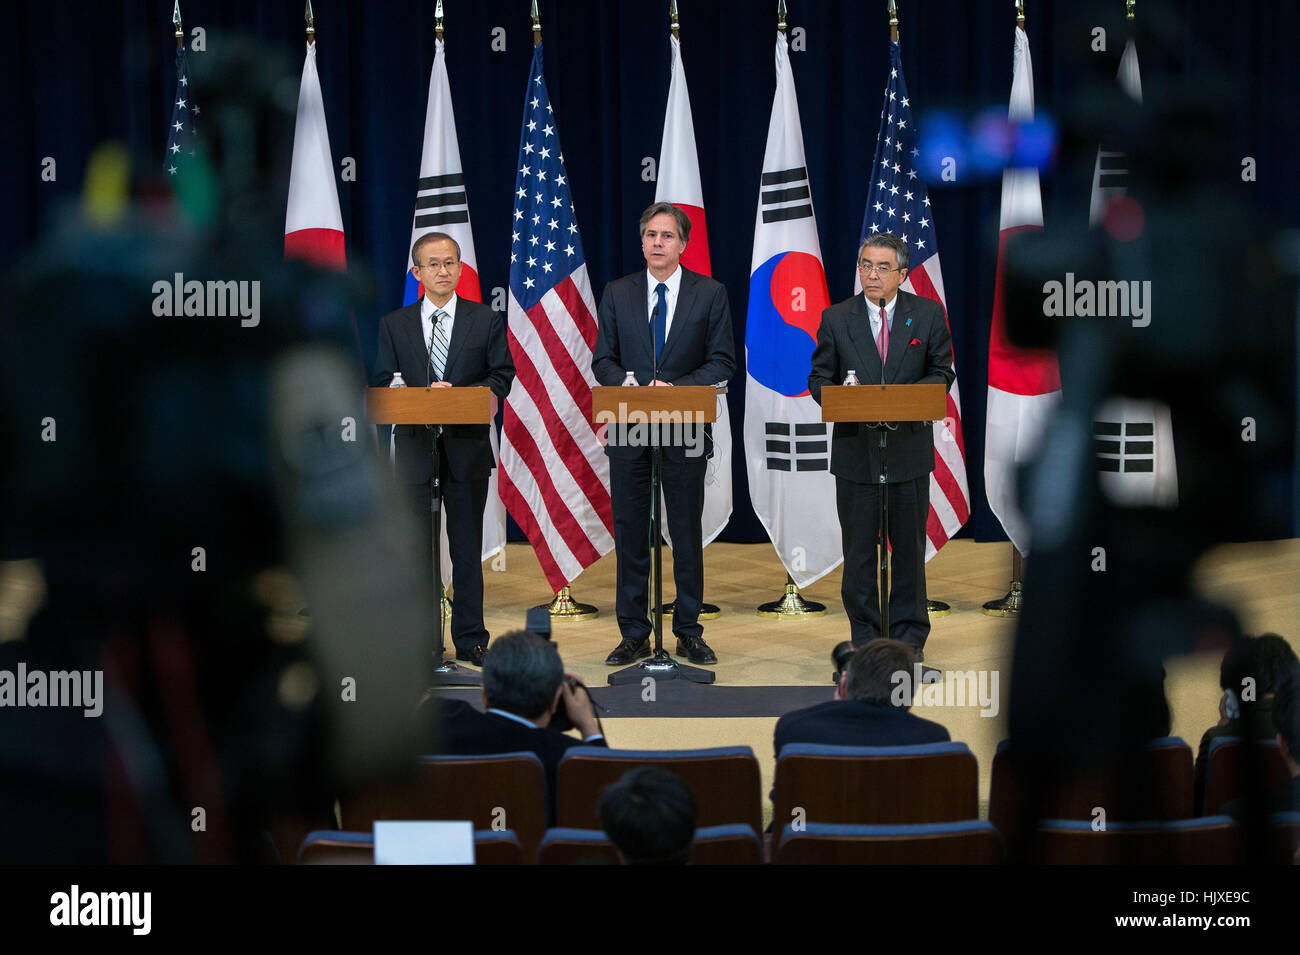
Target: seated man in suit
{"type": "Point", "coordinates": [864, 712]}
{"type": "Point", "coordinates": [1286, 718]}
{"type": "Point", "coordinates": [669, 326]}
{"type": "Point", "coordinates": [524, 686]}
{"type": "Point", "coordinates": [1249, 676]}
{"type": "Point", "coordinates": [444, 341]}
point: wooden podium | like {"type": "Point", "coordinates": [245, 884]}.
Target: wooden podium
{"type": "Point", "coordinates": [434, 407]}
{"type": "Point", "coordinates": [882, 407]}
{"type": "Point", "coordinates": [653, 407]}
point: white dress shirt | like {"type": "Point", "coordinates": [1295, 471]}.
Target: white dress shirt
{"type": "Point", "coordinates": [674, 283]}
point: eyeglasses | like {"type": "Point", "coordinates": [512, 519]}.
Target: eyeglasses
{"type": "Point", "coordinates": [882, 270]}
{"type": "Point", "coordinates": [435, 267]}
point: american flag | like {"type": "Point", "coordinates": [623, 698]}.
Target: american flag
{"type": "Point", "coordinates": [554, 475]}
{"type": "Point", "coordinates": [181, 133]}
{"type": "Point", "coordinates": [898, 203]}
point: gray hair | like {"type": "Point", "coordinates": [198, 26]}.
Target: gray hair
{"type": "Point", "coordinates": [521, 672]}
{"type": "Point", "coordinates": [886, 240]}
{"type": "Point", "coordinates": [668, 209]}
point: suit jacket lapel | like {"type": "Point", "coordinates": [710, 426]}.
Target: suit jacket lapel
{"type": "Point", "coordinates": [685, 302]}
{"type": "Point", "coordinates": [460, 330]}
{"type": "Point", "coordinates": [415, 336]}
{"type": "Point", "coordinates": [899, 336]}
{"type": "Point", "coordinates": [643, 336]}
{"type": "Point", "coordinates": [860, 332]}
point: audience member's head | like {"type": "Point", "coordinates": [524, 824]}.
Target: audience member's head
{"type": "Point", "coordinates": [522, 674]}
{"type": "Point", "coordinates": [649, 815]}
{"type": "Point", "coordinates": [869, 675]}
{"type": "Point", "coordinates": [841, 656]}
{"type": "Point", "coordinates": [1286, 718]}
{"type": "Point", "coordinates": [1258, 663]}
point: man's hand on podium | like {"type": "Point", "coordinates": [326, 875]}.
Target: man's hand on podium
{"type": "Point", "coordinates": [440, 384]}
{"type": "Point", "coordinates": [659, 384]}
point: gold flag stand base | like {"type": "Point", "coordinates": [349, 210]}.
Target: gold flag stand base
{"type": "Point", "coordinates": [1008, 606]}
{"type": "Point", "coordinates": [791, 606]}
{"type": "Point", "coordinates": [708, 611]}
{"type": "Point", "coordinates": [564, 609]}
{"type": "Point", "coordinates": [937, 608]}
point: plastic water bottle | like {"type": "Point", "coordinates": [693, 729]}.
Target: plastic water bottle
{"type": "Point", "coordinates": [629, 381]}
{"type": "Point", "coordinates": [397, 381]}
{"type": "Point", "coordinates": [851, 378]}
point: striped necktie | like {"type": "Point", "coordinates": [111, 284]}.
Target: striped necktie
{"type": "Point", "coordinates": [438, 345]}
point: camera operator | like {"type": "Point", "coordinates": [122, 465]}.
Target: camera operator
{"type": "Point", "coordinates": [529, 701]}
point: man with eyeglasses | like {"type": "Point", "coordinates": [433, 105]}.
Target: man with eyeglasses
{"type": "Point", "coordinates": [443, 341]}
{"type": "Point", "coordinates": [891, 336]}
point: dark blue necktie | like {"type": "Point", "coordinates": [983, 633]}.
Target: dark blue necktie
{"type": "Point", "coordinates": [661, 320]}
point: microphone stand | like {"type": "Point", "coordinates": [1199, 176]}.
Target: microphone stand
{"type": "Point", "coordinates": [659, 665]}
{"type": "Point", "coordinates": [882, 499]}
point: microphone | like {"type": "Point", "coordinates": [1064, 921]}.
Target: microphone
{"type": "Point", "coordinates": [884, 327]}
{"type": "Point", "coordinates": [654, 341]}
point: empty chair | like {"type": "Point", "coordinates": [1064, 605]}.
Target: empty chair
{"type": "Point", "coordinates": [880, 785]}
{"type": "Point", "coordinates": [1224, 780]}
{"type": "Point", "coordinates": [358, 848]}
{"type": "Point", "coordinates": [1211, 840]}
{"type": "Point", "coordinates": [713, 845]}
{"type": "Point", "coordinates": [725, 781]}
{"type": "Point", "coordinates": [970, 842]}
{"type": "Point", "coordinates": [491, 791]}
{"type": "Point", "coordinates": [1161, 789]}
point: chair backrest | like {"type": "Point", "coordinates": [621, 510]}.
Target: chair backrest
{"type": "Point", "coordinates": [970, 842]}
{"type": "Point", "coordinates": [1161, 790]}
{"type": "Point", "coordinates": [328, 847]}
{"type": "Point", "coordinates": [875, 785]}
{"type": "Point", "coordinates": [1211, 840]}
{"type": "Point", "coordinates": [725, 780]}
{"type": "Point", "coordinates": [714, 845]}
{"type": "Point", "coordinates": [1224, 774]}
{"type": "Point", "coordinates": [491, 791]}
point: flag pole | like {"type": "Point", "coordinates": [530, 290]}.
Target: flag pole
{"type": "Point", "coordinates": [563, 607]}
{"type": "Point", "coordinates": [933, 608]}
{"type": "Point", "coordinates": [311, 24]}
{"type": "Point", "coordinates": [1130, 9]}
{"type": "Point", "coordinates": [791, 604]}
{"type": "Point", "coordinates": [1009, 605]}
{"type": "Point", "coordinates": [708, 611]}
{"type": "Point", "coordinates": [179, 28]}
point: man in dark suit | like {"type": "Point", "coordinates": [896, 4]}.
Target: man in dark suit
{"type": "Point", "coordinates": [524, 685]}
{"type": "Point", "coordinates": [444, 341]}
{"type": "Point", "coordinates": [916, 348]}
{"type": "Point", "coordinates": [668, 326]}
{"type": "Point", "coordinates": [871, 707]}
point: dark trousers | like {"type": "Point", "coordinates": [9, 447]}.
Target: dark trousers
{"type": "Point", "coordinates": [462, 515]}
{"type": "Point", "coordinates": [909, 508]}
{"type": "Point", "coordinates": [683, 484]}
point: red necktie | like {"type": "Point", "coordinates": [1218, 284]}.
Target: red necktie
{"type": "Point", "coordinates": [882, 343]}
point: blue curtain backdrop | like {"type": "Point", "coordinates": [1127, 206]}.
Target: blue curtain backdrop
{"type": "Point", "coordinates": [81, 73]}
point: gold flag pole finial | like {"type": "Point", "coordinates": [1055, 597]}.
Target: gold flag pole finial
{"type": "Point", "coordinates": [893, 21]}
{"type": "Point", "coordinates": [672, 19]}
{"type": "Point", "coordinates": [1020, 13]}
{"type": "Point", "coordinates": [176, 22]}
{"type": "Point", "coordinates": [311, 23]}
{"type": "Point", "coordinates": [537, 25]}
{"type": "Point", "coordinates": [1130, 9]}
{"type": "Point", "coordinates": [780, 15]}
{"type": "Point", "coordinates": [437, 20]}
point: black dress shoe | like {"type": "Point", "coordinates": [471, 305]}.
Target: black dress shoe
{"type": "Point", "coordinates": [473, 655]}
{"type": "Point", "coordinates": [695, 650]}
{"type": "Point", "coordinates": [627, 651]}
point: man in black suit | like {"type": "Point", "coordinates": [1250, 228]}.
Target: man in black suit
{"type": "Point", "coordinates": [871, 707]}
{"type": "Point", "coordinates": [917, 348]}
{"type": "Point", "coordinates": [444, 341]}
{"type": "Point", "coordinates": [668, 326]}
{"type": "Point", "coordinates": [524, 685]}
